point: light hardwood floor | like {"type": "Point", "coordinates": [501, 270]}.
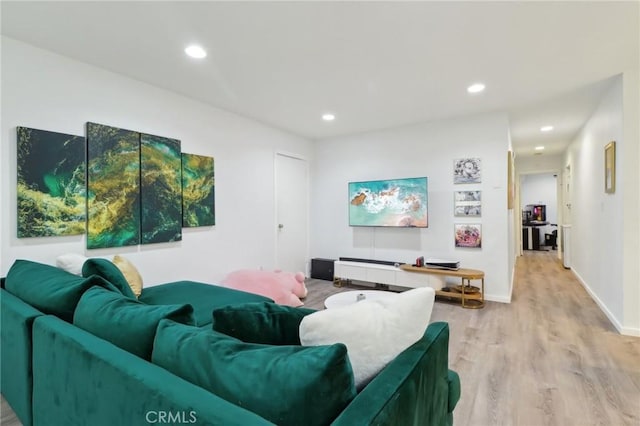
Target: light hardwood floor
{"type": "Point", "coordinates": [551, 357]}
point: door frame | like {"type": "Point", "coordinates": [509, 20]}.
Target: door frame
{"type": "Point", "coordinates": [518, 204]}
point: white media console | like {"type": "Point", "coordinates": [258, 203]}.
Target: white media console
{"type": "Point", "coordinates": [416, 276]}
{"type": "Point", "coordinates": [384, 274]}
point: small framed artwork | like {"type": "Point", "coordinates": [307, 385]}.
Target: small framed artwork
{"type": "Point", "coordinates": [511, 190]}
{"type": "Point", "coordinates": [467, 170]}
{"type": "Point", "coordinates": [610, 168]}
{"type": "Point", "coordinates": [467, 203]}
{"type": "Point", "coordinates": [468, 235]}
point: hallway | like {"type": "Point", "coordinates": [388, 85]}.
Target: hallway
{"type": "Point", "coordinates": [551, 357]}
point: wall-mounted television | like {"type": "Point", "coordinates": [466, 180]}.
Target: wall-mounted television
{"type": "Point", "coordinates": [391, 203]}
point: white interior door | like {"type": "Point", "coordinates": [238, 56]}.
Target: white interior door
{"type": "Point", "coordinates": [292, 204]}
{"type": "Point", "coordinates": [566, 195]}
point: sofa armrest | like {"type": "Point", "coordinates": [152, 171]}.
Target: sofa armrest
{"type": "Point", "coordinates": [80, 379]}
{"type": "Point", "coordinates": [454, 389]}
{"type": "Point", "coordinates": [413, 389]}
{"type": "Point", "coordinates": [17, 319]}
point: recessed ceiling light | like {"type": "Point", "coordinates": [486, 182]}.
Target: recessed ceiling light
{"type": "Point", "coordinates": [195, 51]}
{"type": "Point", "coordinates": [328, 117]}
{"type": "Point", "coordinates": [546, 128]}
{"type": "Point", "coordinates": [539, 148]}
{"type": "Point", "coordinates": [476, 88]}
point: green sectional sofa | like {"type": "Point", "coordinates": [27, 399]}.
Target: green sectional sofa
{"type": "Point", "coordinates": [89, 357]}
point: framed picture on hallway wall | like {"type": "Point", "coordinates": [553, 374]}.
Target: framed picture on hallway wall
{"type": "Point", "coordinates": [610, 168]}
{"type": "Point", "coordinates": [511, 189]}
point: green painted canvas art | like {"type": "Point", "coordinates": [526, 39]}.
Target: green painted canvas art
{"type": "Point", "coordinates": [198, 191]}
{"type": "Point", "coordinates": [161, 189]}
{"type": "Point", "coordinates": [51, 183]}
{"type": "Point", "coordinates": [113, 187]}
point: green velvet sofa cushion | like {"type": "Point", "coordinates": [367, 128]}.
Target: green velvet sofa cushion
{"type": "Point", "coordinates": [125, 322]}
{"type": "Point", "coordinates": [50, 289]}
{"type": "Point", "coordinates": [287, 385]}
{"type": "Point", "coordinates": [16, 322]}
{"type": "Point", "coordinates": [262, 322]}
{"type": "Point", "coordinates": [109, 271]}
{"type": "Point", "coordinates": [203, 297]}
{"type": "Point", "coordinates": [82, 380]}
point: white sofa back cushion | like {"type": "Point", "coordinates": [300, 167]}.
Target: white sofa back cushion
{"type": "Point", "coordinates": [374, 331]}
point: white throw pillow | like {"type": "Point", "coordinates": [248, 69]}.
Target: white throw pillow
{"type": "Point", "coordinates": [374, 331]}
{"type": "Point", "coordinates": [71, 262]}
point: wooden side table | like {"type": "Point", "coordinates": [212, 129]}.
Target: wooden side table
{"type": "Point", "coordinates": [470, 297]}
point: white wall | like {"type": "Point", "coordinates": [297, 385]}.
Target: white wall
{"type": "Point", "coordinates": [631, 203]}
{"type": "Point", "coordinates": [538, 163]}
{"type": "Point", "coordinates": [47, 91]}
{"type": "Point", "coordinates": [599, 251]}
{"type": "Point", "coordinates": [424, 149]}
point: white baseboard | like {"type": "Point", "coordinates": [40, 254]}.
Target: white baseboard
{"type": "Point", "coordinates": [513, 282]}
{"type": "Point", "coordinates": [501, 299]}
{"type": "Point", "coordinates": [627, 331]}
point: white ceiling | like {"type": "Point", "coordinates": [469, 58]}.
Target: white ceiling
{"type": "Point", "coordinates": [374, 64]}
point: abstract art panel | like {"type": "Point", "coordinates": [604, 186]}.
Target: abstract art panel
{"type": "Point", "coordinates": [160, 189]}
{"type": "Point", "coordinates": [113, 187]}
{"type": "Point", "coordinates": [468, 235]}
{"type": "Point", "coordinates": [198, 191]}
{"type": "Point", "coordinates": [51, 183]}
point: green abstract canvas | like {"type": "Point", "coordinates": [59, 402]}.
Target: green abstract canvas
{"type": "Point", "coordinates": [198, 191]}
{"type": "Point", "coordinates": [51, 184]}
{"type": "Point", "coordinates": [113, 187]}
{"type": "Point", "coordinates": [161, 189]}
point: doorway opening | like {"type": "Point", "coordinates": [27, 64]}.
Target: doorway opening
{"type": "Point", "coordinates": [539, 210]}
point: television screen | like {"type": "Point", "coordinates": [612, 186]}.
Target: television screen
{"type": "Point", "coordinates": [392, 202]}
